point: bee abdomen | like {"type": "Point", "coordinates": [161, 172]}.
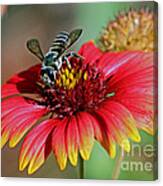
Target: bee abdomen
{"type": "Point", "coordinates": [60, 42]}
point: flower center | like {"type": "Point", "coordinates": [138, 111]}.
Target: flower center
{"type": "Point", "coordinates": [79, 88]}
{"type": "Point", "coordinates": [68, 78]}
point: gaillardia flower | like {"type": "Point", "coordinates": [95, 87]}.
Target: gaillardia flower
{"type": "Point", "coordinates": [133, 30]}
{"type": "Point", "coordinates": [104, 96]}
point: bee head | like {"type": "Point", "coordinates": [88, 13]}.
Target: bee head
{"type": "Point", "coordinates": [48, 75]}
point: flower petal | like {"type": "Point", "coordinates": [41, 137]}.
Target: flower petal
{"type": "Point", "coordinates": [22, 129]}
{"type": "Point", "coordinates": [125, 116]}
{"type": "Point", "coordinates": [18, 119]}
{"type": "Point", "coordinates": [90, 52]}
{"type": "Point", "coordinates": [119, 62]}
{"type": "Point", "coordinates": [86, 135]}
{"type": "Point", "coordinates": [132, 78]}
{"type": "Point", "coordinates": [9, 90]}
{"type": "Point", "coordinates": [59, 143]}
{"type": "Point", "coordinates": [20, 111]}
{"type": "Point", "coordinates": [72, 141]}
{"type": "Point", "coordinates": [114, 129]}
{"type": "Point", "coordinates": [34, 148]}
{"type": "Point", "coordinates": [96, 126]}
{"type": "Point", "coordinates": [102, 135]}
{"type": "Point", "coordinates": [31, 75]}
{"type": "Point", "coordinates": [24, 82]}
{"type": "Point", "coordinates": [9, 105]}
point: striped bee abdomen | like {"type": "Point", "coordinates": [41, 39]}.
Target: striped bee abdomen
{"type": "Point", "coordinates": [60, 43]}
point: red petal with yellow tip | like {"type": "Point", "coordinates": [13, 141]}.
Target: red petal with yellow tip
{"type": "Point", "coordinates": [72, 139]}
{"type": "Point", "coordinates": [34, 148]}
{"type": "Point", "coordinates": [9, 105]}
{"type": "Point", "coordinates": [103, 135]}
{"type": "Point", "coordinates": [59, 143]}
{"type": "Point", "coordinates": [86, 134]}
{"type": "Point", "coordinates": [115, 131]}
{"type": "Point", "coordinates": [14, 126]}
{"type": "Point", "coordinates": [126, 118]}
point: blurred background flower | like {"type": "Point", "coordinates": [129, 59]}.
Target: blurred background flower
{"type": "Point", "coordinates": [131, 30]}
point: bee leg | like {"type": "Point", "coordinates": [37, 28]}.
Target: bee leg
{"type": "Point", "coordinates": [77, 55]}
{"type": "Point", "coordinates": [40, 85]}
{"type": "Point", "coordinates": [73, 54]}
{"type": "Point", "coordinates": [65, 58]}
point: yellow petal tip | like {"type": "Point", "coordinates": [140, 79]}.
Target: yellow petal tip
{"type": "Point", "coordinates": [137, 137]}
{"type": "Point", "coordinates": [4, 139]}
{"type": "Point", "coordinates": [31, 171]}
{"type": "Point", "coordinates": [21, 168]}
{"type": "Point", "coordinates": [112, 151]}
{"type": "Point", "coordinates": [126, 145]}
{"type": "Point", "coordinates": [85, 155]}
{"type": "Point", "coordinates": [23, 165]}
{"type": "Point", "coordinates": [112, 155]}
{"type": "Point", "coordinates": [73, 159]}
{"type": "Point", "coordinates": [62, 164]}
{"type": "Point", "coordinates": [62, 167]}
{"type": "Point", "coordinates": [12, 144]}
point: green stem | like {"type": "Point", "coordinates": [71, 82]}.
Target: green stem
{"type": "Point", "coordinates": [81, 168]}
{"type": "Point", "coordinates": [116, 171]}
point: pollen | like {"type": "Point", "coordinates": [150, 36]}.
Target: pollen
{"type": "Point", "coordinates": [69, 77]}
{"type": "Point", "coordinates": [85, 76]}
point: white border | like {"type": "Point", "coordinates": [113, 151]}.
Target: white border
{"type": "Point", "coordinates": [58, 182]}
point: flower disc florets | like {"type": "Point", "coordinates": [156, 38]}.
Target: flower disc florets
{"type": "Point", "coordinates": [79, 88]}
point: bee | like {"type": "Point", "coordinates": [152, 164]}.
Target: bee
{"type": "Point", "coordinates": [57, 54]}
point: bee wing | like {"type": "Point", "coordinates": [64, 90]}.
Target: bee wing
{"type": "Point", "coordinates": [74, 36]}
{"type": "Point", "coordinates": [33, 46]}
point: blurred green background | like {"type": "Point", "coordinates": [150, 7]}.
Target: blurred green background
{"type": "Point", "coordinates": [21, 22]}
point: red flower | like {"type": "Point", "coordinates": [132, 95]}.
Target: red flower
{"type": "Point", "coordinates": [104, 97]}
